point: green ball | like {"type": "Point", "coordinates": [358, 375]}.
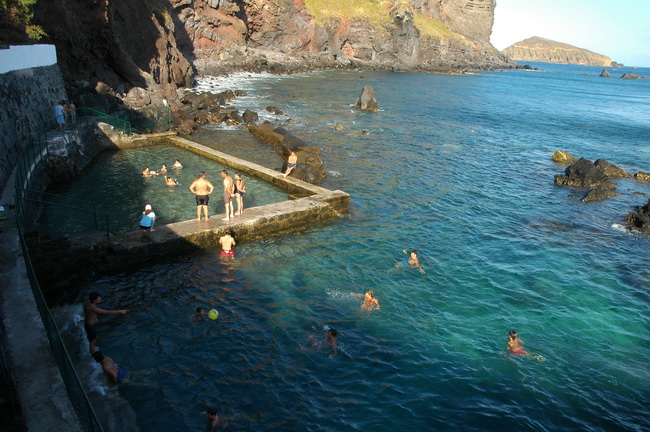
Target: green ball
{"type": "Point", "coordinates": [213, 314]}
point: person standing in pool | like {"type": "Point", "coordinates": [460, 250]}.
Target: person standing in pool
{"type": "Point", "coordinates": [202, 189]}
{"type": "Point", "coordinates": [227, 241]}
{"type": "Point", "coordinates": [228, 193]}
{"type": "Point", "coordinates": [91, 310]}
{"type": "Point", "coordinates": [240, 189]}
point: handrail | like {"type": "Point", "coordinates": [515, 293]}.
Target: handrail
{"type": "Point", "coordinates": [29, 168]}
{"type": "Point", "coordinates": [119, 123]}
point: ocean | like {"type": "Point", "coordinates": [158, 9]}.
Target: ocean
{"type": "Point", "coordinates": [457, 167]}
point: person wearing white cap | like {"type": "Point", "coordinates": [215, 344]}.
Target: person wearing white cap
{"type": "Point", "coordinates": [148, 219]}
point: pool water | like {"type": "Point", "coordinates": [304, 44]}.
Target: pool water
{"type": "Point", "coordinates": [113, 181]}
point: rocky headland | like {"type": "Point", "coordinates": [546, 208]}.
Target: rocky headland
{"type": "Point", "coordinates": [538, 49]}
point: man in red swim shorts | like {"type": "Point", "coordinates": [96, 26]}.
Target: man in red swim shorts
{"type": "Point", "coordinates": [227, 241]}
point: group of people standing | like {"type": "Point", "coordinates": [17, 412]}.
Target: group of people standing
{"type": "Point", "coordinates": [202, 188]}
{"type": "Point", "coordinates": [65, 114]}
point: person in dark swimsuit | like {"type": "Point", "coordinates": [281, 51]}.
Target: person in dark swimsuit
{"type": "Point", "coordinates": [240, 190]}
{"type": "Point", "coordinates": [202, 188]}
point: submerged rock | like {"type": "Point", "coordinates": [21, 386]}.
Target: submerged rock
{"type": "Point", "coordinates": [605, 73]}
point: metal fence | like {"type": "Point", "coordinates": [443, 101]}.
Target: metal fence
{"type": "Point", "coordinates": [148, 120]}
{"type": "Point", "coordinates": [118, 123]}
{"type": "Point", "coordinates": [30, 200]}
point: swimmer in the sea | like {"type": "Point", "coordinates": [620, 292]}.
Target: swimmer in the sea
{"type": "Point", "coordinates": [413, 260]}
{"type": "Point", "coordinates": [515, 344]}
{"type": "Point", "coordinates": [200, 313]}
{"type": "Point", "coordinates": [370, 302]}
{"type": "Point", "coordinates": [330, 341]}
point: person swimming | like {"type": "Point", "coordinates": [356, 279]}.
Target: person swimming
{"type": "Point", "coordinates": [515, 344]}
{"type": "Point", "coordinates": [370, 302]}
{"type": "Point", "coordinates": [171, 182]}
{"type": "Point", "coordinates": [413, 260]}
{"type": "Point", "coordinates": [177, 164]}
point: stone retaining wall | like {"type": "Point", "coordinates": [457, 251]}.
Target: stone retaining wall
{"type": "Point", "coordinates": [28, 97]}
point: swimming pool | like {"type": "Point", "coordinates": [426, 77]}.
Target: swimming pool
{"type": "Point", "coordinates": [113, 181]}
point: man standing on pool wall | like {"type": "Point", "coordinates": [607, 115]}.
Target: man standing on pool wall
{"type": "Point", "coordinates": [202, 188]}
{"type": "Point", "coordinates": [228, 193]}
{"type": "Point", "coordinates": [91, 310]}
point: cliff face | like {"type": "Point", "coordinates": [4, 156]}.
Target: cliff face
{"type": "Point", "coordinates": [150, 43]}
{"type": "Point", "coordinates": [537, 49]}
{"type": "Point", "coordinates": [424, 34]}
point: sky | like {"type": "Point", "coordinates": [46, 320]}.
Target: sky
{"type": "Point", "coordinates": [619, 29]}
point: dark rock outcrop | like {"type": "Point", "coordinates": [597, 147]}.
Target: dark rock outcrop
{"type": "Point", "coordinates": [605, 73]}
{"type": "Point", "coordinates": [600, 193]}
{"type": "Point", "coordinates": [610, 170]}
{"type": "Point", "coordinates": [639, 220]}
{"type": "Point", "coordinates": [366, 100]}
{"type": "Point", "coordinates": [583, 173]}
{"type": "Point", "coordinates": [539, 49]}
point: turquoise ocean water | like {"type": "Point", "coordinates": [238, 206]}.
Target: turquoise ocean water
{"type": "Point", "coordinates": [457, 167]}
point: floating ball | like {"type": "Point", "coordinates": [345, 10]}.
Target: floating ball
{"type": "Point", "coordinates": [213, 314]}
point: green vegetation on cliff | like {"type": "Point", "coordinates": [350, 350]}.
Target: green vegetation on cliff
{"type": "Point", "coordinates": [376, 12]}
{"type": "Point", "coordinates": [21, 12]}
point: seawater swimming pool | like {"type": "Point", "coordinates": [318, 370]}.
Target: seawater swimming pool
{"type": "Point", "coordinates": [113, 181]}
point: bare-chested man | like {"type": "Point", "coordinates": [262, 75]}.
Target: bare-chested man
{"type": "Point", "coordinates": [91, 310]}
{"type": "Point", "coordinates": [227, 241]}
{"type": "Point", "coordinates": [292, 161]}
{"type": "Point", "coordinates": [202, 188]}
{"type": "Point", "coordinates": [228, 193]}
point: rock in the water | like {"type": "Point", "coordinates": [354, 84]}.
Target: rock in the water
{"type": "Point", "coordinates": [642, 176]}
{"type": "Point", "coordinates": [610, 170]}
{"type": "Point", "coordinates": [640, 219]}
{"type": "Point", "coordinates": [583, 173]}
{"type": "Point", "coordinates": [366, 100]}
{"type": "Point", "coordinates": [605, 73]}
{"type": "Point", "coordinates": [599, 193]}
{"type": "Point", "coordinates": [563, 156]}
{"type": "Point", "coordinates": [250, 116]}
{"type": "Point", "coordinates": [631, 76]}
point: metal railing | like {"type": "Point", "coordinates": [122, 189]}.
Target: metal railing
{"type": "Point", "coordinates": [30, 177]}
{"type": "Point", "coordinates": [118, 123]}
{"type": "Point", "coordinates": [148, 120]}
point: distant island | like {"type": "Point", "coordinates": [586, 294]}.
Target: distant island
{"type": "Point", "coordinates": [538, 49]}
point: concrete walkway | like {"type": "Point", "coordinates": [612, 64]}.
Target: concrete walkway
{"type": "Point", "coordinates": [43, 397]}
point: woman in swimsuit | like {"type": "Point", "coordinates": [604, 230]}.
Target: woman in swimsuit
{"type": "Point", "coordinates": [177, 165]}
{"type": "Point", "coordinates": [514, 344]}
{"type": "Point", "coordinates": [370, 302]}
{"type": "Point", "coordinates": [240, 189]}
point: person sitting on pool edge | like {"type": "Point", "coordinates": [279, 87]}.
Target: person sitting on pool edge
{"type": "Point", "coordinates": [292, 161]}
{"type": "Point", "coordinates": [148, 219]}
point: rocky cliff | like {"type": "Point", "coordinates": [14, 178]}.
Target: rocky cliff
{"type": "Point", "coordinates": [537, 49]}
